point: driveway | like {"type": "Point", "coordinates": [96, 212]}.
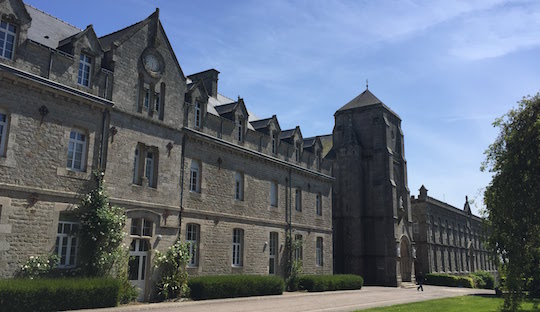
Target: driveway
{"type": "Point", "coordinates": [367, 297]}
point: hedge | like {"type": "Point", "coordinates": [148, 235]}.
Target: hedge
{"type": "Point", "coordinates": [58, 294]}
{"type": "Point", "coordinates": [483, 279]}
{"type": "Point", "coordinates": [231, 286]}
{"type": "Point", "coordinates": [313, 283]}
{"type": "Point", "coordinates": [449, 280]}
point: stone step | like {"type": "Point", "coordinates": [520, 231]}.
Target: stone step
{"type": "Point", "coordinates": [408, 285]}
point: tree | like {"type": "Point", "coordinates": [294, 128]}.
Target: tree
{"type": "Point", "coordinates": [513, 200]}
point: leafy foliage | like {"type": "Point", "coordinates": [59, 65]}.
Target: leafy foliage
{"type": "Point", "coordinates": [313, 283]}
{"type": "Point", "coordinates": [294, 267]}
{"type": "Point", "coordinates": [231, 286]}
{"type": "Point", "coordinates": [173, 275]}
{"type": "Point", "coordinates": [58, 294]}
{"type": "Point", "coordinates": [512, 199]}
{"type": "Point", "coordinates": [440, 279]}
{"type": "Point", "coordinates": [38, 267]}
{"type": "Point", "coordinates": [101, 234]}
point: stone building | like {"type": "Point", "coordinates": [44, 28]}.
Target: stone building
{"type": "Point", "coordinates": [371, 210]}
{"type": "Point", "coordinates": [184, 160]}
{"type": "Point", "coordinates": [448, 239]}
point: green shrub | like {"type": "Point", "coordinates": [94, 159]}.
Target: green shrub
{"type": "Point", "coordinates": [483, 279]}
{"type": "Point", "coordinates": [449, 280]}
{"type": "Point", "coordinates": [230, 286]}
{"type": "Point", "coordinates": [330, 282]}
{"type": "Point", "coordinates": [58, 294]}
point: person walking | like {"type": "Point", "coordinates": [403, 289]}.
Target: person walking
{"type": "Point", "coordinates": [420, 281]}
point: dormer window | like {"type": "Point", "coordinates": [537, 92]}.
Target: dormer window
{"type": "Point", "coordinates": [85, 63]}
{"type": "Point", "coordinates": [198, 115]}
{"type": "Point", "coordinates": [297, 150]}
{"type": "Point", "coordinates": [240, 130]}
{"type": "Point", "coordinates": [319, 160]}
{"type": "Point", "coordinates": [7, 39]}
{"type": "Point", "coordinates": [274, 143]}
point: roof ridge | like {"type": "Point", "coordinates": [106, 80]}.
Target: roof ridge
{"type": "Point", "coordinates": [117, 31]}
{"type": "Point", "coordinates": [33, 7]}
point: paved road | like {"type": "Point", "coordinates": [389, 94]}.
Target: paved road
{"type": "Point", "coordinates": [367, 297]}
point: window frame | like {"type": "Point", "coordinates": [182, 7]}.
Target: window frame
{"type": "Point", "coordinates": [274, 195]}
{"type": "Point", "coordinates": [240, 130]}
{"type": "Point", "coordinates": [273, 252]}
{"type": "Point", "coordinates": [197, 114]}
{"type": "Point", "coordinates": [85, 70]}
{"type": "Point", "coordinates": [274, 142]}
{"type": "Point", "coordinates": [192, 238]}
{"type": "Point", "coordinates": [142, 225]}
{"type": "Point", "coordinates": [318, 204]}
{"type": "Point", "coordinates": [238, 247]}
{"type": "Point", "coordinates": [6, 33]}
{"type": "Point", "coordinates": [4, 130]}
{"type": "Point", "coordinates": [319, 251]}
{"type": "Point", "coordinates": [239, 186]}
{"type": "Point", "coordinates": [298, 199]}
{"type": "Point", "coordinates": [59, 245]}
{"type": "Point", "coordinates": [70, 165]}
{"type": "Point", "coordinates": [195, 181]}
{"type": "Point", "coordinates": [298, 251]}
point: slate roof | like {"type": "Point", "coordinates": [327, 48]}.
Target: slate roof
{"type": "Point", "coordinates": [365, 98]}
{"type": "Point", "coordinates": [110, 38]}
{"type": "Point", "coordinates": [47, 29]}
{"type": "Point", "coordinates": [327, 144]}
{"type": "Point", "coordinates": [261, 123]}
{"type": "Point", "coordinates": [286, 134]}
{"type": "Point", "coordinates": [225, 108]}
{"type": "Point", "coordinates": [309, 142]}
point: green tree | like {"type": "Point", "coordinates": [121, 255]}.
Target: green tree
{"type": "Point", "coordinates": [513, 199]}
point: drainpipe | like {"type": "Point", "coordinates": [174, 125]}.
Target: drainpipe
{"type": "Point", "coordinates": [103, 142]}
{"type": "Point", "coordinates": [51, 54]}
{"type": "Point", "coordinates": [182, 168]}
{"type": "Point", "coordinates": [289, 213]}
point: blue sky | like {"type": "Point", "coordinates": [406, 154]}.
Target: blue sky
{"type": "Point", "coordinates": [448, 68]}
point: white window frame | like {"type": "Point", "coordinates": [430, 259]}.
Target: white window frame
{"type": "Point", "coordinates": [70, 245]}
{"type": "Point", "coordinates": [273, 194]}
{"type": "Point", "coordinates": [77, 138]}
{"type": "Point", "coordinates": [197, 114]}
{"type": "Point", "coordinates": [8, 32]}
{"type": "Point", "coordinates": [192, 239]}
{"type": "Point", "coordinates": [85, 67]}
{"type": "Point", "coordinates": [318, 204]}
{"type": "Point", "coordinates": [195, 177]}
{"type": "Point", "coordinates": [4, 121]}
{"type": "Point", "coordinates": [319, 251]}
{"type": "Point", "coordinates": [141, 227]}
{"type": "Point", "coordinates": [238, 247]}
{"type": "Point", "coordinates": [298, 199]}
{"type": "Point", "coordinates": [239, 186]}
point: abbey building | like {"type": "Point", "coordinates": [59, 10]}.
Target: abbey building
{"type": "Point", "coordinates": [186, 161]}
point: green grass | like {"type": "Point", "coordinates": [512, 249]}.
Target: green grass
{"type": "Point", "coordinates": [455, 304]}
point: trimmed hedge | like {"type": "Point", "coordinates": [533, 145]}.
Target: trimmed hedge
{"type": "Point", "coordinates": [449, 280]}
{"type": "Point", "coordinates": [58, 294]}
{"type": "Point", "coordinates": [483, 279]}
{"type": "Point", "coordinates": [231, 286]}
{"type": "Point", "coordinates": [314, 283]}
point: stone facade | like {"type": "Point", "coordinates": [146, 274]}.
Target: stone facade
{"type": "Point", "coordinates": [371, 211]}
{"type": "Point", "coordinates": [184, 160]}
{"type": "Point", "coordinates": [449, 239]}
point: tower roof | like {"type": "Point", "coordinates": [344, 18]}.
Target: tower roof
{"type": "Point", "coordinates": [365, 98]}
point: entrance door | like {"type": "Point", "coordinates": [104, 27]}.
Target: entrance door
{"type": "Point", "coordinates": [138, 258]}
{"type": "Point", "coordinates": [405, 261]}
{"type": "Point", "coordinates": [272, 263]}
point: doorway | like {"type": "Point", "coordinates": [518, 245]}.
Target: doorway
{"type": "Point", "coordinates": [405, 260]}
{"type": "Point", "coordinates": [138, 259]}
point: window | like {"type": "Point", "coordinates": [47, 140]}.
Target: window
{"type": "Point", "coordinates": [194, 177]}
{"type": "Point", "coordinates": [192, 238]}
{"type": "Point", "coordinates": [319, 160]}
{"type": "Point", "coordinates": [297, 148]}
{"type": "Point", "coordinates": [298, 256]}
{"type": "Point", "coordinates": [157, 106]}
{"type": "Point", "coordinates": [197, 114]}
{"type": "Point", "coordinates": [76, 150]}
{"type": "Point", "coordinates": [145, 164]}
{"type": "Point", "coordinates": [319, 251]}
{"type": "Point", "coordinates": [3, 133]}
{"type": "Point", "coordinates": [141, 227]}
{"type": "Point", "coordinates": [318, 204]}
{"type": "Point", "coordinates": [146, 99]}
{"type": "Point", "coordinates": [66, 243]}
{"type": "Point", "coordinates": [240, 130]}
{"type": "Point", "coordinates": [85, 63]}
{"type": "Point", "coordinates": [272, 252]}
{"type": "Point", "coordinates": [298, 200]}
{"type": "Point", "coordinates": [274, 143]}
{"type": "Point", "coordinates": [237, 247]}
{"type": "Point", "coordinates": [239, 186]}
{"type": "Point", "coordinates": [273, 194]}
{"type": "Point", "coordinates": [7, 39]}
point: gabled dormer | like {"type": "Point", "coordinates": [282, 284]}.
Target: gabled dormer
{"type": "Point", "coordinates": [14, 23]}
{"type": "Point", "coordinates": [237, 113]}
{"type": "Point", "coordinates": [196, 100]}
{"type": "Point", "coordinates": [87, 55]}
{"type": "Point", "coordinates": [294, 138]}
{"type": "Point", "coordinates": [270, 127]}
{"type": "Point", "coordinates": [314, 146]}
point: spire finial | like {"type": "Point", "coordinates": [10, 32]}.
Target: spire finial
{"type": "Point", "coordinates": [367, 86]}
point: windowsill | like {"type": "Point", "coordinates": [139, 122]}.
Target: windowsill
{"type": "Point", "coordinates": [7, 162]}
{"type": "Point", "coordinates": [138, 186]}
{"type": "Point", "coordinates": [65, 172]}
{"type": "Point", "coordinates": [239, 203]}
{"type": "Point", "coordinates": [196, 195]}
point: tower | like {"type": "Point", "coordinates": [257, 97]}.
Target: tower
{"type": "Point", "coordinates": [371, 210]}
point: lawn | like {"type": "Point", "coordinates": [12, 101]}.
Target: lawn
{"type": "Point", "coordinates": [455, 304]}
